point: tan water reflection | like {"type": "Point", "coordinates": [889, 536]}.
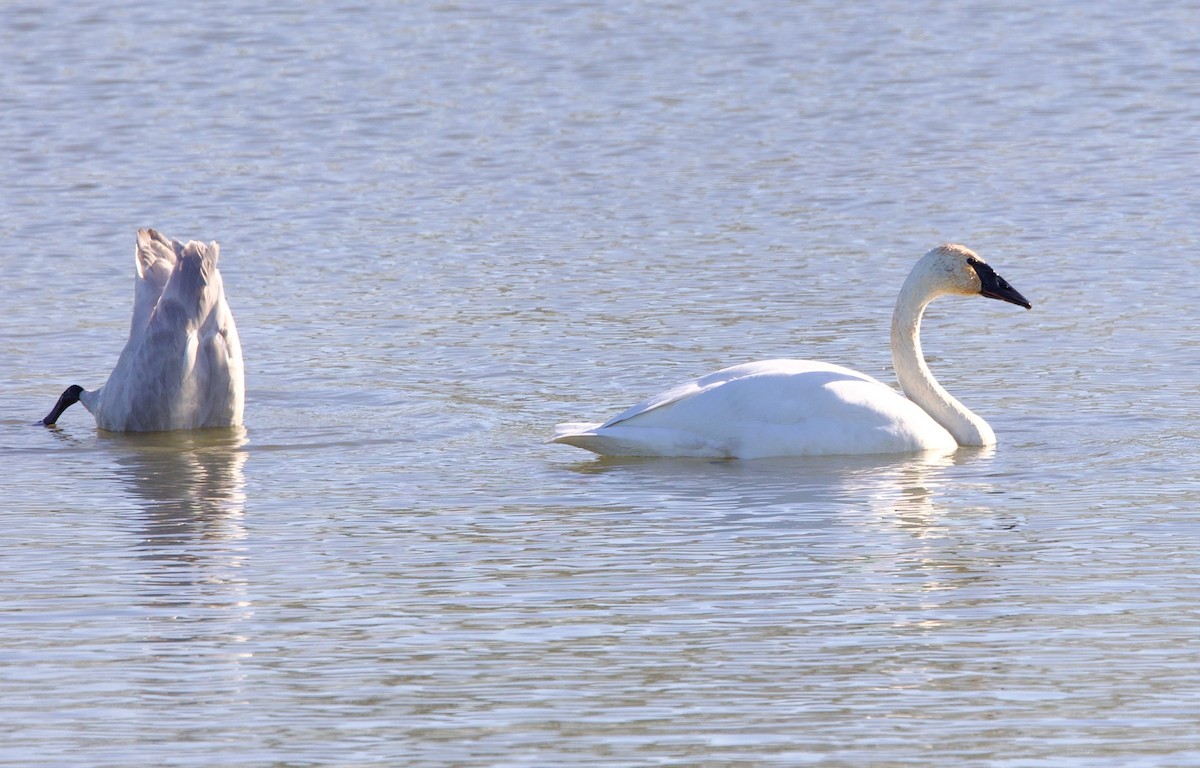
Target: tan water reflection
{"type": "Point", "coordinates": [189, 483]}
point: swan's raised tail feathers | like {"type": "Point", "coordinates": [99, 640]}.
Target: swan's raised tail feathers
{"type": "Point", "coordinates": [155, 259]}
{"type": "Point", "coordinates": [155, 253]}
{"type": "Point", "coordinates": [195, 284]}
{"type": "Point", "coordinates": [209, 252]}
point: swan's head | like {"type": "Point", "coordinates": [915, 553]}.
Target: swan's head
{"type": "Point", "coordinates": [959, 270]}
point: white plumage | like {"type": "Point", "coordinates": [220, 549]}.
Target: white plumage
{"type": "Point", "coordinates": [809, 408]}
{"type": "Point", "coordinates": [182, 366]}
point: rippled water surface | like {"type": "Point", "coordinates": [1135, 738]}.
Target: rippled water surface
{"type": "Point", "coordinates": [445, 228]}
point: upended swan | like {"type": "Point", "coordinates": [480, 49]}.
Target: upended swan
{"type": "Point", "coordinates": [182, 366]}
{"type": "Point", "coordinates": [809, 408]}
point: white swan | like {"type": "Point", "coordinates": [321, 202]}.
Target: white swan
{"type": "Point", "coordinates": [809, 408]}
{"type": "Point", "coordinates": [182, 366]}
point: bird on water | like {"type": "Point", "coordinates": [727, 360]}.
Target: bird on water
{"type": "Point", "coordinates": [182, 365]}
{"type": "Point", "coordinates": [811, 408]}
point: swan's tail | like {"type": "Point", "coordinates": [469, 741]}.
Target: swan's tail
{"type": "Point", "coordinates": [154, 259]}
{"type": "Point", "coordinates": [196, 283]}
{"type": "Point", "coordinates": [186, 274]}
{"type": "Point", "coordinates": [616, 440]}
{"type": "Point", "coordinates": [579, 434]}
{"type": "Point", "coordinates": [625, 440]}
{"type": "Point", "coordinates": [572, 428]}
{"type": "Point", "coordinates": [156, 254]}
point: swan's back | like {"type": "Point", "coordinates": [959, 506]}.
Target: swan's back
{"type": "Point", "coordinates": [768, 408]}
{"type": "Point", "coordinates": [182, 366]}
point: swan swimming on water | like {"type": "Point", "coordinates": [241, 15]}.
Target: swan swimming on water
{"type": "Point", "coordinates": [182, 366]}
{"type": "Point", "coordinates": [810, 408]}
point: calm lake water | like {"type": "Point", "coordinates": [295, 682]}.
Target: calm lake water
{"type": "Point", "coordinates": [447, 227]}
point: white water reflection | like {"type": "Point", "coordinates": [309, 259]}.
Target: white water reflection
{"type": "Point", "coordinates": [868, 529]}
{"type": "Point", "coordinates": [191, 485]}
{"type": "Point", "coordinates": [190, 489]}
{"type": "Point", "coordinates": [887, 484]}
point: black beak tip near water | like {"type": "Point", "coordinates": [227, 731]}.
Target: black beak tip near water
{"type": "Point", "coordinates": [995, 287]}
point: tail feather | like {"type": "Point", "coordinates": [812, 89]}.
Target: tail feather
{"type": "Point", "coordinates": [578, 434]}
{"type": "Point", "coordinates": [154, 252]}
{"type": "Point", "coordinates": [625, 440]}
{"type": "Point", "coordinates": [597, 439]}
{"type": "Point", "coordinates": [155, 259]}
{"type": "Point", "coordinates": [195, 284]}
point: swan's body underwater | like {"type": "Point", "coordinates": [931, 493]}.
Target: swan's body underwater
{"type": "Point", "coordinates": [809, 408]}
{"type": "Point", "coordinates": [182, 366]}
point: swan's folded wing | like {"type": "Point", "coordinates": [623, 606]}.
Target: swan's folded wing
{"type": "Point", "coordinates": [724, 376]}
{"type": "Point", "coordinates": [662, 399]}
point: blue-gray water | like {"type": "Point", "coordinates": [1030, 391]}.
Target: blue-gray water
{"type": "Point", "coordinates": [446, 227]}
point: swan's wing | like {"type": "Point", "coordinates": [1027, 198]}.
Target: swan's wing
{"type": "Point", "coordinates": [724, 376]}
{"type": "Point", "coordinates": [154, 259]}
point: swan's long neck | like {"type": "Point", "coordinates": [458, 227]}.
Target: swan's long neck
{"type": "Point", "coordinates": [915, 377]}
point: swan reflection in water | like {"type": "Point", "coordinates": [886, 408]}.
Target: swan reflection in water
{"type": "Point", "coordinates": [190, 487]}
{"type": "Point", "coordinates": [190, 484]}
{"type": "Point", "coordinates": [813, 486]}
{"type": "Point", "coordinates": [193, 582]}
{"type": "Point", "coordinates": [839, 534]}
{"type": "Point", "coordinates": [189, 563]}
